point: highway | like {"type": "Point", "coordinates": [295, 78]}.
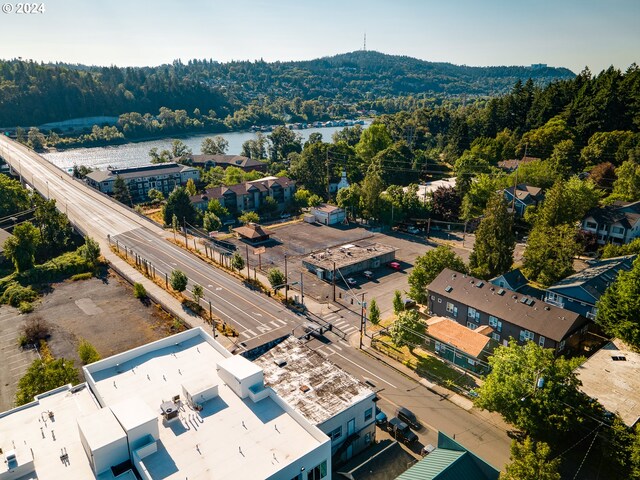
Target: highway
{"type": "Point", "coordinates": [256, 317]}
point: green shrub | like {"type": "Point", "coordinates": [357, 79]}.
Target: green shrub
{"type": "Point", "coordinates": [14, 294]}
{"type": "Point", "coordinates": [23, 341]}
{"type": "Point", "coordinates": [81, 276]}
{"type": "Point", "coordinates": [87, 352]}
{"type": "Point", "coordinates": [139, 291]}
{"type": "Point", "coordinates": [25, 307]}
{"type": "Point", "coordinates": [64, 266]}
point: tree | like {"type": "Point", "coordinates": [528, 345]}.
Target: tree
{"type": "Point", "coordinates": [493, 249]}
{"type": "Point", "coordinates": [211, 222]}
{"type": "Point", "coordinates": [178, 281]}
{"type": "Point", "coordinates": [197, 291]}
{"type": "Point", "coordinates": [87, 352]}
{"type": "Point", "coordinates": [530, 461]}
{"type": "Point", "coordinates": [214, 146]}
{"type": "Point", "coordinates": [563, 159]}
{"type": "Point", "coordinates": [627, 185]}
{"type": "Point", "coordinates": [54, 227]}
{"type": "Point", "coordinates": [237, 261]}
{"type": "Point", "coordinates": [174, 224]}
{"type": "Point", "coordinates": [36, 139]}
{"type": "Point", "coordinates": [372, 187]}
{"type": "Point", "coordinates": [214, 206]}
{"type": "Point", "coordinates": [549, 254]}
{"type": "Point", "coordinates": [121, 191]}
{"type": "Point", "coordinates": [373, 140]}
{"type": "Point", "coordinates": [398, 304]}
{"type": "Point", "coordinates": [428, 266]}
{"type": "Point", "coordinates": [21, 247]}
{"type": "Point", "coordinates": [532, 389]}
{"type": "Point", "coordinates": [45, 375]}
{"type": "Point", "coordinates": [310, 168]}
{"type": "Point", "coordinates": [603, 175]}
{"type": "Point", "coordinates": [480, 191]}
{"type": "Point", "coordinates": [178, 204]}
{"type": "Point", "coordinates": [350, 198]}
{"type": "Point", "coordinates": [314, 200]}
{"type": "Point", "coordinates": [539, 173]}
{"type": "Point", "coordinates": [249, 217]}
{"type": "Point", "coordinates": [269, 207]}
{"type": "Point", "coordinates": [13, 197]}
{"type": "Point", "coordinates": [283, 142]}
{"type": "Point", "coordinates": [541, 141]}
{"type": "Point", "coordinates": [255, 148]}
{"type": "Point", "coordinates": [445, 203]}
{"type": "Point", "coordinates": [619, 306]}
{"type": "Point", "coordinates": [90, 251]}
{"type": "Point", "coordinates": [190, 187]}
{"type": "Point", "coordinates": [301, 198]}
{"type": "Point", "coordinates": [159, 157]}
{"type": "Point", "coordinates": [567, 202]}
{"type": "Point", "coordinates": [276, 278]}
{"type": "Point", "coordinates": [179, 149]}
{"type": "Point", "coordinates": [408, 329]}
{"type": "Point", "coordinates": [155, 195]}
{"type": "Point", "coordinates": [233, 176]}
{"type": "Point", "coordinates": [374, 312]}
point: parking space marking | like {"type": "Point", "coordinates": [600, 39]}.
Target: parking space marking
{"type": "Point", "coordinates": [277, 325]}
{"type": "Point", "coordinates": [247, 331]}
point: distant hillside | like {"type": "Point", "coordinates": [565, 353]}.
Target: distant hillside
{"type": "Point", "coordinates": [33, 93]}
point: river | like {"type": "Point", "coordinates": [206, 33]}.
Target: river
{"type": "Point", "coordinates": [136, 154]}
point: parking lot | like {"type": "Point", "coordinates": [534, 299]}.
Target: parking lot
{"type": "Point", "coordinates": [15, 360]}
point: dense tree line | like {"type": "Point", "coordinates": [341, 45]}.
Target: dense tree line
{"type": "Point", "coordinates": [243, 92]}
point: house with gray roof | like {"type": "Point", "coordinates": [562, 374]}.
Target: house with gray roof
{"type": "Point", "coordinates": [525, 196]}
{"type": "Point", "coordinates": [162, 176]}
{"type": "Point", "coordinates": [474, 303]}
{"type": "Point", "coordinates": [618, 223]}
{"type": "Point", "coordinates": [245, 164]}
{"type": "Point", "coordinates": [516, 281]}
{"type": "Point", "coordinates": [581, 291]}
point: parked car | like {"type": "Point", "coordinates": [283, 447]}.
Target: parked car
{"type": "Point", "coordinates": [381, 418]}
{"type": "Point", "coordinates": [409, 417]}
{"type": "Point", "coordinates": [401, 431]}
{"type": "Point", "coordinates": [427, 449]}
{"type": "Point", "coordinates": [409, 303]}
{"type": "Point", "coordinates": [367, 274]}
{"type": "Point", "coordinates": [394, 265]}
{"type": "Point", "coordinates": [351, 281]}
{"type": "Point", "coordinates": [413, 230]}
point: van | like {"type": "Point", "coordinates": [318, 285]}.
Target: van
{"type": "Point", "coordinates": [408, 417]}
{"type": "Point", "coordinates": [401, 431]}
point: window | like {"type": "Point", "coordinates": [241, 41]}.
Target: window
{"type": "Point", "coordinates": [471, 325]}
{"type": "Point", "coordinates": [473, 313]}
{"type": "Point", "coordinates": [439, 300]}
{"type": "Point", "coordinates": [318, 472]}
{"type": "Point", "coordinates": [471, 362]}
{"type": "Point", "coordinates": [451, 308]}
{"type": "Point", "coordinates": [561, 346]}
{"type": "Point", "coordinates": [335, 434]}
{"type": "Point", "coordinates": [526, 335]}
{"type": "Point", "coordinates": [618, 230]}
{"type": "Point", "coordinates": [541, 341]}
{"type": "Point", "coordinates": [495, 336]}
{"type": "Point", "coordinates": [592, 225]}
{"type": "Point", "coordinates": [493, 321]}
{"type": "Point", "coordinates": [368, 413]}
{"type": "Point", "coordinates": [432, 298]}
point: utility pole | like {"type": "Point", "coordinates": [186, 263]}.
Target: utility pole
{"type": "Point", "coordinates": [301, 289]}
{"type": "Point", "coordinates": [184, 226]}
{"type": "Point", "coordinates": [334, 281]}
{"type": "Point", "coordinates": [361, 319]}
{"type": "Point", "coordinates": [286, 279]}
{"type": "Point", "coordinates": [248, 269]}
{"type": "Point", "coordinates": [515, 185]}
{"type": "Point", "coordinates": [328, 177]}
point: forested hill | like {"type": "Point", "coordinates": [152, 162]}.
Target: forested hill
{"type": "Point", "coordinates": [33, 93]}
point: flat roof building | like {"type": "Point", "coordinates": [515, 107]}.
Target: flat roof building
{"type": "Point", "coordinates": [347, 259]}
{"type": "Point", "coordinates": [330, 398]}
{"type": "Point", "coordinates": [181, 407]}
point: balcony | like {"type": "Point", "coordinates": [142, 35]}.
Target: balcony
{"type": "Point", "coordinates": [555, 303]}
{"type": "Point", "coordinates": [591, 315]}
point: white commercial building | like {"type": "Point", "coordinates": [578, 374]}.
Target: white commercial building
{"type": "Point", "coordinates": [181, 407]}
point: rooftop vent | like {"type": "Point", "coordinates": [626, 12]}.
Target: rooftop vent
{"type": "Point", "coordinates": [279, 361]}
{"type": "Point", "coordinates": [448, 288]}
{"type": "Point", "coordinates": [523, 300]}
{"type": "Point", "coordinates": [501, 291]}
{"type": "Point", "coordinates": [618, 358]}
{"type": "Point", "coordinates": [547, 308]}
{"type": "Point", "coordinates": [514, 296]}
{"type": "Point", "coordinates": [480, 284]}
{"type": "Point", "coordinates": [305, 388]}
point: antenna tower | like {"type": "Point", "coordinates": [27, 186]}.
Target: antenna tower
{"type": "Point", "coordinates": [364, 48]}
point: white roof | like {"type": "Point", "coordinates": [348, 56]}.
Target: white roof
{"type": "Point", "coordinates": [29, 428]}
{"type": "Point", "coordinates": [239, 367]}
{"type": "Point", "coordinates": [614, 383]}
{"type": "Point", "coordinates": [100, 428]}
{"type": "Point", "coordinates": [133, 412]}
{"type": "Point", "coordinates": [230, 437]}
{"type": "Point", "coordinates": [425, 189]}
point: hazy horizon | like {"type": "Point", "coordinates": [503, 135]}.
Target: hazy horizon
{"type": "Point", "coordinates": [571, 33]}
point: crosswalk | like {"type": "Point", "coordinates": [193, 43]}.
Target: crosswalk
{"type": "Point", "coordinates": [263, 328]}
{"type": "Point", "coordinates": [338, 321]}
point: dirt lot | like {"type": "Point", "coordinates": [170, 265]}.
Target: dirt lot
{"type": "Point", "coordinates": [105, 313]}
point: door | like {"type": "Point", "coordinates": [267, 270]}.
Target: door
{"type": "Point", "coordinates": [351, 429]}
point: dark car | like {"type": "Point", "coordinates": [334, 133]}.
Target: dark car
{"type": "Point", "coordinates": [381, 418]}
{"type": "Point", "coordinates": [401, 431]}
{"type": "Point", "coordinates": [409, 417]}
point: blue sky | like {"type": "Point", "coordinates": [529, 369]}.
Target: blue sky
{"type": "Point", "coordinates": [569, 33]}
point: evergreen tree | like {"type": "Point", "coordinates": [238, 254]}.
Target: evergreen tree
{"type": "Point", "coordinates": [121, 191]}
{"type": "Point", "coordinates": [408, 329]}
{"type": "Point", "coordinates": [549, 254]}
{"type": "Point", "coordinates": [374, 312]}
{"type": "Point", "coordinates": [190, 187]}
{"type": "Point", "coordinates": [428, 266]}
{"type": "Point", "coordinates": [493, 249]}
{"type": "Point", "coordinates": [237, 261]}
{"type": "Point", "coordinates": [398, 304]}
{"type": "Point", "coordinates": [178, 204]}
{"type": "Point", "coordinates": [178, 281]}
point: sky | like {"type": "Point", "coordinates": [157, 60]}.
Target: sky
{"type": "Point", "coordinates": [562, 33]}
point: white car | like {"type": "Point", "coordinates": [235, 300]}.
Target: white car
{"type": "Point", "coordinates": [413, 230]}
{"type": "Point", "coordinates": [351, 281]}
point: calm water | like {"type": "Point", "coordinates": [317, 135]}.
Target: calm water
{"type": "Point", "coordinates": [134, 154]}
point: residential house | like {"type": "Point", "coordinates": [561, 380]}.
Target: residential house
{"type": "Point", "coordinates": [512, 164]}
{"type": "Point", "coordinates": [163, 177]}
{"type": "Point", "coordinates": [426, 189]}
{"type": "Point", "coordinates": [474, 303]}
{"type": "Point", "coordinates": [525, 196]}
{"type": "Point", "coordinates": [611, 376]}
{"type": "Point", "coordinates": [343, 183]}
{"type": "Point", "coordinates": [245, 164]}
{"type": "Point", "coordinates": [253, 233]}
{"type": "Point", "coordinates": [466, 348]}
{"type": "Point", "coordinates": [581, 291]}
{"type": "Point", "coordinates": [450, 461]}
{"type": "Point", "coordinates": [618, 223]}
{"type": "Point", "coordinates": [516, 281]}
{"type": "Point", "coordinates": [248, 196]}
{"type": "Point", "coordinates": [333, 400]}
{"type": "Point", "coordinates": [328, 214]}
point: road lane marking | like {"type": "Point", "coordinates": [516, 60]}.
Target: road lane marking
{"type": "Point", "coordinates": [364, 369]}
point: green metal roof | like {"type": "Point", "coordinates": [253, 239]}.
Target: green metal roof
{"type": "Point", "coordinates": [433, 465]}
